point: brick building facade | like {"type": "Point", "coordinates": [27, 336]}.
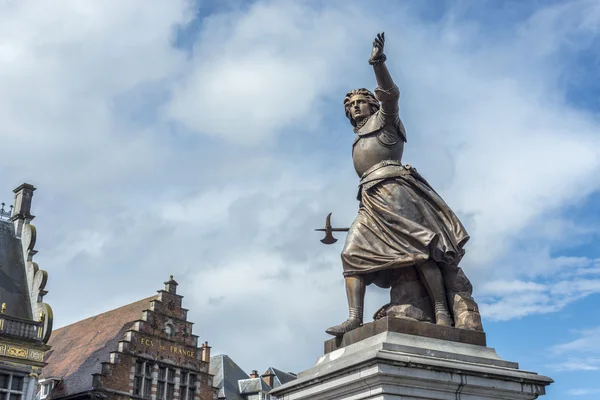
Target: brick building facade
{"type": "Point", "coordinates": [25, 320]}
{"type": "Point", "coordinates": [144, 350]}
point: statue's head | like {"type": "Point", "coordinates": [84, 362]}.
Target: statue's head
{"type": "Point", "coordinates": [360, 104]}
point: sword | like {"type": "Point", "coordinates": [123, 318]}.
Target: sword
{"type": "Point", "coordinates": [329, 239]}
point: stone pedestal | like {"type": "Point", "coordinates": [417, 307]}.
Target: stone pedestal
{"type": "Point", "coordinates": [406, 326]}
{"type": "Point", "coordinates": [392, 365]}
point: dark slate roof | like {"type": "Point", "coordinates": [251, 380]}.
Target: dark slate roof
{"type": "Point", "coordinates": [281, 378]}
{"type": "Point", "coordinates": [253, 385]}
{"type": "Point", "coordinates": [79, 349]}
{"type": "Point", "coordinates": [13, 281]}
{"type": "Point", "coordinates": [227, 374]}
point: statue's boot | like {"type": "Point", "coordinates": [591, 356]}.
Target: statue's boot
{"type": "Point", "coordinates": [354, 321]}
{"type": "Point", "coordinates": [355, 291]}
{"type": "Point", "coordinates": [432, 279]}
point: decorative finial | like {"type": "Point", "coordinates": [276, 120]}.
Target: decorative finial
{"type": "Point", "coordinates": [171, 285]}
{"type": "Point", "coordinates": [3, 309]}
{"type": "Point", "coordinates": [3, 213]}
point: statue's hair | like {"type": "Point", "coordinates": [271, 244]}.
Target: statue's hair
{"type": "Point", "coordinates": [370, 99]}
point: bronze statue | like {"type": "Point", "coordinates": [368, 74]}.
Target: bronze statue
{"type": "Point", "coordinates": [405, 236]}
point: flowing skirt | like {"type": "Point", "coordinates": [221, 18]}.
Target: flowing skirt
{"type": "Point", "coordinates": [401, 222]}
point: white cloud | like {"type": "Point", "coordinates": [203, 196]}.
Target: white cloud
{"type": "Point", "coordinates": [588, 342]}
{"type": "Point", "coordinates": [581, 354]}
{"type": "Point", "coordinates": [65, 70]}
{"type": "Point", "coordinates": [95, 95]}
{"type": "Point", "coordinates": [560, 281]}
{"type": "Point", "coordinates": [583, 392]}
{"type": "Point", "coordinates": [257, 72]}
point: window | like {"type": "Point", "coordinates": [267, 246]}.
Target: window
{"type": "Point", "coordinates": [142, 381]}
{"type": "Point", "coordinates": [187, 385]}
{"type": "Point", "coordinates": [46, 388]}
{"type": "Point", "coordinates": [170, 384]}
{"type": "Point", "coordinates": [165, 382]}
{"type": "Point", "coordinates": [160, 387]}
{"type": "Point", "coordinates": [11, 386]}
{"type": "Point", "coordinates": [183, 378]}
{"type": "Point", "coordinates": [165, 389]}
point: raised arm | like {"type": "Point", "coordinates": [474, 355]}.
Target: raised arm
{"type": "Point", "coordinates": [387, 92]}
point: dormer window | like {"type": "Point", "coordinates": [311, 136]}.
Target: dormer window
{"type": "Point", "coordinates": [46, 386]}
{"type": "Point", "coordinates": [46, 389]}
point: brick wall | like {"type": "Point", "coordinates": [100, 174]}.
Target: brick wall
{"type": "Point", "coordinates": [147, 340]}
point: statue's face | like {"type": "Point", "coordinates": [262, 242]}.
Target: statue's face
{"type": "Point", "coordinates": [359, 107]}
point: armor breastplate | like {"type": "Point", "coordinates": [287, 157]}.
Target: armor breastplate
{"type": "Point", "coordinates": [372, 146]}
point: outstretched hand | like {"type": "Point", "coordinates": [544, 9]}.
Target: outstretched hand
{"type": "Point", "coordinates": [378, 43]}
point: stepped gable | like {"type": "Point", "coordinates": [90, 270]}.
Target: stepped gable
{"type": "Point", "coordinates": [79, 349]}
{"type": "Point", "coordinates": [113, 354]}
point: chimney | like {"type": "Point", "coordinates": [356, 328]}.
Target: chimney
{"type": "Point", "coordinates": [254, 374]}
{"type": "Point", "coordinates": [269, 378]}
{"type": "Point", "coordinates": [205, 352]}
{"type": "Point", "coordinates": [171, 285]}
{"type": "Point", "coordinates": [22, 209]}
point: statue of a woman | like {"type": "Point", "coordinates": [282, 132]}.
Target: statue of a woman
{"type": "Point", "coordinates": [402, 222]}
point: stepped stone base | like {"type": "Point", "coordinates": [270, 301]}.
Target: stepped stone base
{"type": "Point", "coordinates": [392, 365]}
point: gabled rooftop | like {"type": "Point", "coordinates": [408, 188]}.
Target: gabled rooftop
{"type": "Point", "coordinates": [23, 314]}
{"type": "Point", "coordinates": [227, 374]}
{"type": "Point", "coordinates": [280, 378]}
{"type": "Point", "coordinates": [79, 349]}
{"type": "Point", "coordinates": [13, 278]}
{"type": "Point", "coordinates": [235, 384]}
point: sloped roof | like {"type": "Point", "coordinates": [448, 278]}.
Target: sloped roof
{"type": "Point", "coordinates": [253, 385]}
{"type": "Point", "coordinates": [235, 384]}
{"type": "Point", "coordinates": [13, 281]}
{"type": "Point", "coordinates": [227, 374]}
{"type": "Point", "coordinates": [281, 378]}
{"type": "Point", "coordinates": [79, 349]}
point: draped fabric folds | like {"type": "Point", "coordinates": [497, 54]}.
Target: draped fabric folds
{"type": "Point", "coordinates": [401, 222]}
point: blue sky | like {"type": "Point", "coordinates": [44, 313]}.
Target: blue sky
{"type": "Point", "coordinates": [208, 140]}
